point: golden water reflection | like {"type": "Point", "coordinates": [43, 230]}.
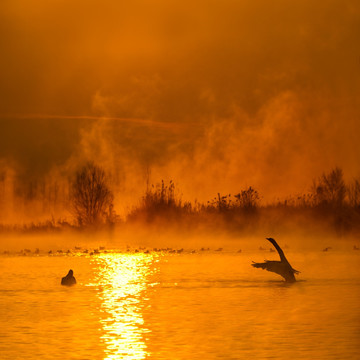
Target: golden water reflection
{"type": "Point", "coordinates": [122, 280]}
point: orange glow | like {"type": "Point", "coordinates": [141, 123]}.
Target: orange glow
{"type": "Point", "coordinates": [215, 96]}
{"type": "Point", "coordinates": [123, 280]}
{"type": "Point", "coordinates": [151, 146]}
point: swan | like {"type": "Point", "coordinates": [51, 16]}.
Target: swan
{"type": "Point", "coordinates": [282, 267]}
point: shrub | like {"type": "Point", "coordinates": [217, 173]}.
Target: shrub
{"type": "Point", "coordinates": [247, 199]}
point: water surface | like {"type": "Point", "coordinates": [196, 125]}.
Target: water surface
{"type": "Point", "coordinates": [207, 305]}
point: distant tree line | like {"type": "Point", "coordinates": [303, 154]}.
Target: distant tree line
{"type": "Point", "coordinates": [329, 202]}
{"type": "Point", "coordinates": [90, 199]}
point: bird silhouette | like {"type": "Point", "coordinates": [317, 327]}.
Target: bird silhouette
{"type": "Point", "coordinates": [69, 279]}
{"type": "Point", "coordinates": [282, 267]}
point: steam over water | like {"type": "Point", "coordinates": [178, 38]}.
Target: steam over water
{"type": "Point", "coordinates": [205, 305]}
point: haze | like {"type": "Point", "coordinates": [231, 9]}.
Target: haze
{"type": "Point", "coordinates": [214, 95]}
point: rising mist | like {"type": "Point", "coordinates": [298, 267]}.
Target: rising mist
{"type": "Point", "coordinates": [216, 97]}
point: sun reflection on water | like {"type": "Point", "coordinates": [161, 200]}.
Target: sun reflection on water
{"type": "Point", "coordinates": [122, 280]}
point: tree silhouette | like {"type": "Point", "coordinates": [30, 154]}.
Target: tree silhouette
{"type": "Point", "coordinates": [91, 197]}
{"type": "Point", "coordinates": [330, 189]}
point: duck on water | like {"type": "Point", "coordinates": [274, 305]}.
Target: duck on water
{"type": "Point", "coordinates": [282, 267]}
{"type": "Point", "coordinates": [69, 279]}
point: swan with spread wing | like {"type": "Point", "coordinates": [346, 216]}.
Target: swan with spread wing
{"type": "Point", "coordinates": [282, 267]}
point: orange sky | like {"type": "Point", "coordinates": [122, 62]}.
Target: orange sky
{"type": "Point", "coordinates": [216, 95]}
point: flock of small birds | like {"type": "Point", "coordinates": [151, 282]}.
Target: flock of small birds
{"type": "Point", "coordinates": [78, 250]}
